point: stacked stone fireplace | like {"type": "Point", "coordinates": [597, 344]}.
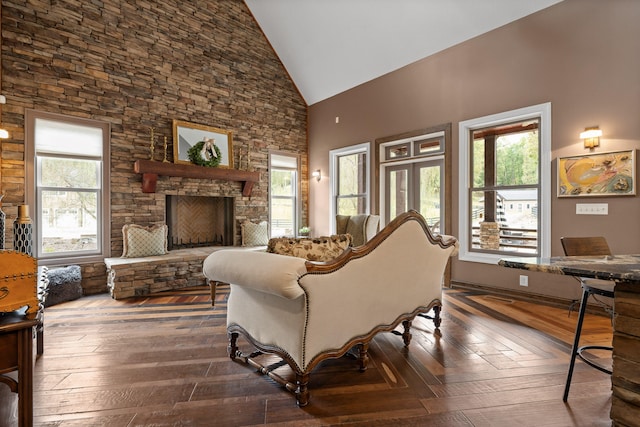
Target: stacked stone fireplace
{"type": "Point", "coordinates": [195, 225]}
{"type": "Point", "coordinates": [196, 221]}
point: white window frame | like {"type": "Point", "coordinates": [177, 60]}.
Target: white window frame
{"type": "Point", "coordinates": [334, 156]}
{"type": "Point", "coordinates": [296, 190]}
{"type": "Point", "coordinates": [540, 111]}
{"type": "Point", "coordinates": [104, 192]}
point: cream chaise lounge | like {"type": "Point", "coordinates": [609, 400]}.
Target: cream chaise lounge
{"type": "Point", "coordinates": [306, 312]}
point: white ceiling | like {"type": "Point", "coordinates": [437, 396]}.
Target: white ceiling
{"type": "Point", "coordinates": [329, 46]}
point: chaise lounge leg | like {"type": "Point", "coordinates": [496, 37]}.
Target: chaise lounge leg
{"type": "Point", "coordinates": [363, 356]}
{"type": "Point", "coordinates": [232, 348]}
{"type": "Point", "coordinates": [406, 335]}
{"type": "Point", "coordinates": [302, 390]}
{"type": "Point", "coordinates": [437, 320]}
{"type": "Point", "coordinates": [213, 286]}
{"type": "Point", "coordinates": [436, 317]}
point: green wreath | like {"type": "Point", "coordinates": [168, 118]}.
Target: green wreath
{"type": "Point", "coordinates": [196, 157]}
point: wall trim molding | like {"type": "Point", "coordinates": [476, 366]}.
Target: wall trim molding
{"type": "Point", "coordinates": [529, 297]}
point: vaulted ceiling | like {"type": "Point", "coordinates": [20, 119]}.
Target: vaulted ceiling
{"type": "Point", "coordinates": [330, 46]}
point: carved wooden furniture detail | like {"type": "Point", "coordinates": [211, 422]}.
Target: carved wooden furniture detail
{"type": "Point", "coordinates": [151, 169]}
{"type": "Point", "coordinates": [18, 283]}
{"type": "Point", "coordinates": [16, 353]}
{"type": "Point", "coordinates": [306, 312]}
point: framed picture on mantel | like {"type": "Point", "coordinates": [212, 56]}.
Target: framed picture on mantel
{"type": "Point", "coordinates": [186, 135]}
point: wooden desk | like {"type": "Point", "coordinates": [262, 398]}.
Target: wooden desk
{"type": "Point", "coordinates": [625, 271]}
{"type": "Point", "coordinates": [16, 353]}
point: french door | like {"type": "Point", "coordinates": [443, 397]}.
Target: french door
{"type": "Point", "coordinates": [414, 172]}
{"type": "Point", "coordinates": [417, 185]}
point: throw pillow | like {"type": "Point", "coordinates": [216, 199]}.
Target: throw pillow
{"type": "Point", "coordinates": [313, 249]}
{"type": "Point", "coordinates": [255, 234]}
{"type": "Point", "coordinates": [141, 241]}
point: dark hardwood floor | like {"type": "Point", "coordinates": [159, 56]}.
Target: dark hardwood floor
{"type": "Point", "coordinates": [162, 361]}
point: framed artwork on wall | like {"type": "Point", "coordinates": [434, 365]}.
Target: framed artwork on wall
{"type": "Point", "coordinates": [597, 174]}
{"type": "Point", "coordinates": [187, 135]}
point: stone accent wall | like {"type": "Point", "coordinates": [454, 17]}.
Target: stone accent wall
{"type": "Point", "coordinates": [625, 383]}
{"type": "Point", "coordinates": [141, 64]}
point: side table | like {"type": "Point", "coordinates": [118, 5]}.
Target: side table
{"type": "Point", "coordinates": [16, 353]}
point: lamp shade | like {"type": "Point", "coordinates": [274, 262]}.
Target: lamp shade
{"type": "Point", "coordinates": [591, 133]}
{"type": "Point", "coordinates": [591, 137]}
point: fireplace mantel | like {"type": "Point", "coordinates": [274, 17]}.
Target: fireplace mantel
{"type": "Point", "coordinates": [150, 170]}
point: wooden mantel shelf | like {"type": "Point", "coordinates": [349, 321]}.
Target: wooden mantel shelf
{"type": "Point", "coordinates": [151, 169]}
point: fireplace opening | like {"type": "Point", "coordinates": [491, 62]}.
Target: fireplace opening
{"type": "Point", "coordinates": [195, 221]}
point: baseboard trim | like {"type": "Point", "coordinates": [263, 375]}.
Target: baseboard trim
{"type": "Point", "coordinates": [529, 297]}
{"type": "Point", "coordinates": [523, 296]}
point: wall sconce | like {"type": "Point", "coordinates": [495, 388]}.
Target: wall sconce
{"type": "Point", "coordinates": [316, 174]}
{"type": "Point", "coordinates": [3, 132]}
{"type": "Point", "coordinates": [591, 137]}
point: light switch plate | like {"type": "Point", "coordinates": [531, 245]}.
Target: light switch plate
{"type": "Point", "coordinates": [592, 209]}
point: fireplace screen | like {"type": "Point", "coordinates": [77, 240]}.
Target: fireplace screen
{"type": "Point", "coordinates": [200, 221]}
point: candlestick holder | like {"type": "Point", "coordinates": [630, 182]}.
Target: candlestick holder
{"type": "Point", "coordinates": [3, 218]}
{"type": "Point", "coordinates": [165, 151]}
{"type": "Point", "coordinates": [152, 144]}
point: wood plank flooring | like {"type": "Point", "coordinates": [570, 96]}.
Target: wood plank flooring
{"type": "Point", "coordinates": [162, 361]}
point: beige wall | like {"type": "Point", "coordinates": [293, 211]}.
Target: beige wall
{"type": "Point", "coordinates": [580, 55]}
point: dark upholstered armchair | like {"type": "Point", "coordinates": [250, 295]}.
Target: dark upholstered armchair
{"type": "Point", "coordinates": [361, 227]}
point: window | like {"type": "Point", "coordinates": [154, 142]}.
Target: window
{"type": "Point", "coordinates": [70, 187]}
{"type": "Point", "coordinates": [505, 196]}
{"type": "Point", "coordinates": [349, 172]}
{"type": "Point", "coordinates": [283, 194]}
